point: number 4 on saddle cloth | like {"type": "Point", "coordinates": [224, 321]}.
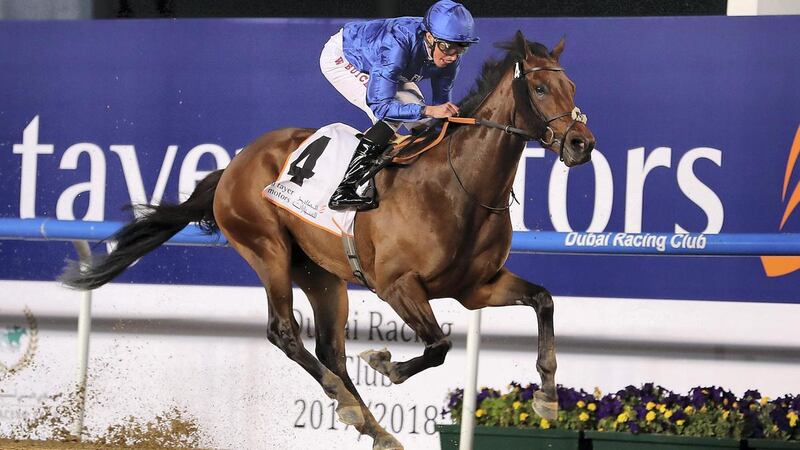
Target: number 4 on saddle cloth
{"type": "Point", "coordinates": [311, 174]}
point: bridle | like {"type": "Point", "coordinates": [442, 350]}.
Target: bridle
{"type": "Point", "coordinates": [520, 87]}
{"type": "Point", "coordinates": [576, 115]}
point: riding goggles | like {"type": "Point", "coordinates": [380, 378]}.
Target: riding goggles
{"type": "Point", "coordinates": [451, 48]}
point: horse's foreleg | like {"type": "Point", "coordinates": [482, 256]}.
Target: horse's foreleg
{"type": "Point", "coordinates": [409, 299]}
{"type": "Point", "coordinates": [508, 289]}
{"type": "Point", "coordinates": [328, 297]}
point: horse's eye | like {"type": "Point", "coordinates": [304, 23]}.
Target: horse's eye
{"type": "Point", "coordinates": [540, 89]}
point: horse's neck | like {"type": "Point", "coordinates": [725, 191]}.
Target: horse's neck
{"type": "Point", "coordinates": [487, 158]}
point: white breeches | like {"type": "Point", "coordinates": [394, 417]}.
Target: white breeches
{"type": "Point", "coordinates": [352, 84]}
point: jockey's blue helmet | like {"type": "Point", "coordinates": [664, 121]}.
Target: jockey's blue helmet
{"type": "Point", "coordinates": [450, 21]}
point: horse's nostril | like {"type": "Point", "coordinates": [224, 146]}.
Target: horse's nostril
{"type": "Point", "coordinates": [578, 144]}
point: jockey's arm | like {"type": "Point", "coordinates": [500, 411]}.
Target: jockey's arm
{"type": "Point", "coordinates": [381, 99]}
{"type": "Point", "coordinates": [381, 92]}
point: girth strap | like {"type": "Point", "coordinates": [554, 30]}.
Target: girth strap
{"type": "Point", "coordinates": [352, 259]}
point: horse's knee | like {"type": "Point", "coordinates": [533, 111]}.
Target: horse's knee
{"type": "Point", "coordinates": [542, 302]}
{"type": "Point", "coordinates": [436, 352]}
{"type": "Point", "coordinates": [281, 335]}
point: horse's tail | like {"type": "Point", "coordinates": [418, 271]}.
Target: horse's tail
{"type": "Point", "coordinates": [145, 233]}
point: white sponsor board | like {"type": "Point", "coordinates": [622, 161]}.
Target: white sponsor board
{"type": "Point", "coordinates": [204, 349]}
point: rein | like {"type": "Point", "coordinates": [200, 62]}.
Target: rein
{"type": "Point", "coordinates": [548, 141]}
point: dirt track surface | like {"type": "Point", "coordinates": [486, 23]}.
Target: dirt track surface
{"type": "Point", "coordinates": [10, 444]}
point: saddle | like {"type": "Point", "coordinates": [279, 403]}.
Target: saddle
{"type": "Point", "coordinates": [406, 149]}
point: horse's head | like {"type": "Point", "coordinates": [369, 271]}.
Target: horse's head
{"type": "Point", "coordinates": [544, 100]}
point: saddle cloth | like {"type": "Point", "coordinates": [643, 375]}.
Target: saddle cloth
{"type": "Point", "coordinates": [311, 174]}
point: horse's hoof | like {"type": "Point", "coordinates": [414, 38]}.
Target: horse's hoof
{"type": "Point", "coordinates": [350, 415]}
{"type": "Point", "coordinates": [545, 407]}
{"type": "Point", "coordinates": [387, 442]}
{"type": "Point", "coordinates": [377, 359]}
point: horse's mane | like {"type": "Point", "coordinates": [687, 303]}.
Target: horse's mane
{"type": "Point", "coordinates": [492, 72]}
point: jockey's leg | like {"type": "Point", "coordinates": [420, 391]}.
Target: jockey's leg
{"type": "Point", "coordinates": [370, 148]}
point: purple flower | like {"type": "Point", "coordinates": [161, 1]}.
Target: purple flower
{"type": "Point", "coordinates": [778, 416]}
{"type": "Point", "coordinates": [753, 394]}
{"type": "Point", "coordinates": [795, 403]}
{"type": "Point", "coordinates": [641, 411]}
{"type": "Point", "coordinates": [634, 427]}
{"type": "Point", "coordinates": [455, 398]}
{"type": "Point", "coordinates": [567, 398]}
{"type": "Point", "coordinates": [527, 393]}
{"type": "Point", "coordinates": [609, 406]}
{"type": "Point", "coordinates": [676, 399]}
{"type": "Point", "coordinates": [698, 396]}
{"type": "Point", "coordinates": [678, 415]}
{"type": "Point", "coordinates": [486, 393]}
{"type": "Point", "coordinates": [649, 393]}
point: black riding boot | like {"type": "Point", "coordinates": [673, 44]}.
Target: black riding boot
{"type": "Point", "coordinates": [370, 148]}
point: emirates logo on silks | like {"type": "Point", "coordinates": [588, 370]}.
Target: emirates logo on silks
{"type": "Point", "coordinates": [776, 266]}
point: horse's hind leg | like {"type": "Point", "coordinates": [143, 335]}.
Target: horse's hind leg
{"type": "Point", "coordinates": [508, 289]}
{"type": "Point", "coordinates": [409, 299]}
{"type": "Point", "coordinates": [271, 259]}
{"type": "Point", "coordinates": [328, 296]}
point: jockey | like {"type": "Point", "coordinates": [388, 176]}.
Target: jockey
{"type": "Point", "coordinates": [375, 65]}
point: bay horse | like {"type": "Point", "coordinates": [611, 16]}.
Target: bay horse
{"type": "Point", "coordinates": [443, 230]}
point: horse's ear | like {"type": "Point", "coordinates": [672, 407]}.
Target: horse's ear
{"type": "Point", "coordinates": [556, 52]}
{"type": "Point", "coordinates": [521, 44]}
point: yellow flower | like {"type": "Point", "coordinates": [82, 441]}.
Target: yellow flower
{"type": "Point", "coordinates": [651, 416]}
{"type": "Point", "coordinates": [622, 418]}
{"type": "Point", "coordinates": [680, 422]}
{"type": "Point", "coordinates": [583, 417]}
{"type": "Point", "coordinates": [597, 394]}
{"type": "Point", "coordinates": [689, 409]}
{"type": "Point", "coordinates": [581, 404]}
{"type": "Point", "coordinates": [516, 405]}
{"type": "Point", "coordinates": [667, 414]}
{"type": "Point", "coordinates": [703, 409]}
{"type": "Point", "coordinates": [792, 416]}
{"type": "Point", "coordinates": [591, 407]}
{"type": "Point", "coordinates": [544, 424]}
{"type": "Point", "coordinates": [725, 414]}
{"type": "Point", "coordinates": [662, 408]}
{"type": "Point", "coordinates": [480, 413]}
{"type": "Point", "coordinates": [649, 406]}
{"type": "Point", "coordinates": [764, 401]}
{"type": "Point", "coordinates": [725, 401]}
{"type": "Point", "coordinates": [735, 405]}
{"type": "Point", "coordinates": [523, 416]}
{"type": "Point", "coordinates": [775, 428]}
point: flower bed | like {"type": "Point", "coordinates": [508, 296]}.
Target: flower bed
{"type": "Point", "coordinates": [705, 412]}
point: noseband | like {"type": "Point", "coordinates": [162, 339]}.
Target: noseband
{"type": "Point", "coordinates": [551, 141]}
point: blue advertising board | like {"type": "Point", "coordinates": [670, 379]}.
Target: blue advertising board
{"type": "Point", "coordinates": [695, 119]}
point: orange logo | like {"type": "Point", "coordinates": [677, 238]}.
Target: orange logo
{"type": "Point", "coordinates": [776, 266]}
